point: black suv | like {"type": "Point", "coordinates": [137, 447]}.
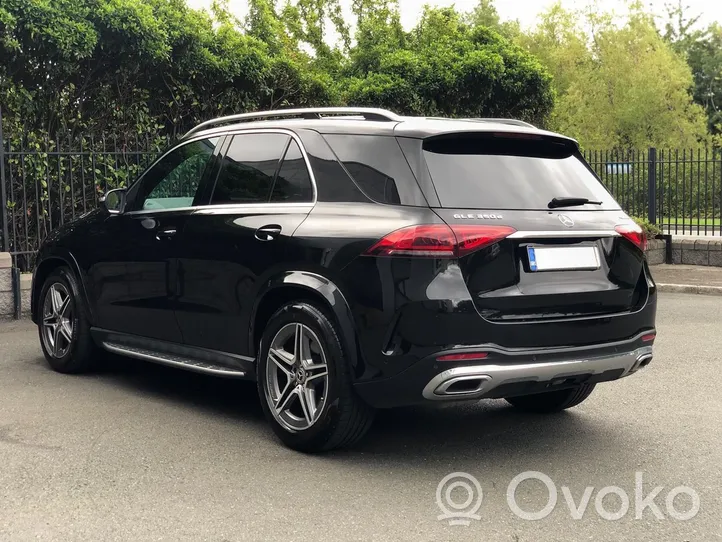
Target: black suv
{"type": "Point", "coordinates": [349, 259]}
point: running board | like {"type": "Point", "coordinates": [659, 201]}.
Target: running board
{"type": "Point", "coordinates": [173, 360]}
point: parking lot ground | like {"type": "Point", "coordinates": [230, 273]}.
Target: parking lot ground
{"type": "Point", "coordinates": [140, 452]}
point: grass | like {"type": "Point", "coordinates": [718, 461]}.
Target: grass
{"type": "Point", "coordinates": [670, 221]}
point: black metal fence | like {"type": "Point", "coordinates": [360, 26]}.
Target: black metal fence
{"type": "Point", "coordinates": [44, 184]}
{"type": "Point", "coordinates": [679, 190]}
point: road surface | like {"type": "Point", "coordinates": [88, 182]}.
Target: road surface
{"type": "Point", "coordinates": [140, 452]}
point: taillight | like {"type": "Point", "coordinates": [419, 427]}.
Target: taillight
{"type": "Point", "coordinates": [439, 240]}
{"type": "Point", "coordinates": [633, 233]}
{"type": "Point", "coordinates": [471, 238]}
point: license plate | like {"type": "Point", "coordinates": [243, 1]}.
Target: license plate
{"type": "Point", "coordinates": [562, 258]}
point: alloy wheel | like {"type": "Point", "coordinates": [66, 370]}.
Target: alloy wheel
{"type": "Point", "coordinates": [57, 321]}
{"type": "Point", "coordinates": [296, 377]}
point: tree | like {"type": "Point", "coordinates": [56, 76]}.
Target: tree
{"type": "Point", "coordinates": [702, 48]}
{"type": "Point", "coordinates": [123, 68]}
{"type": "Point", "coordinates": [127, 67]}
{"type": "Point", "coordinates": [445, 66]}
{"type": "Point", "coordinates": [561, 46]}
{"type": "Point", "coordinates": [679, 29]}
{"type": "Point", "coordinates": [485, 14]}
{"type": "Point", "coordinates": [618, 85]}
{"type": "Point", "coordinates": [705, 58]}
{"type": "Point", "coordinates": [293, 77]}
{"type": "Point", "coordinates": [309, 21]}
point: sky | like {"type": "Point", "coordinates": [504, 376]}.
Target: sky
{"type": "Point", "coordinates": [525, 10]}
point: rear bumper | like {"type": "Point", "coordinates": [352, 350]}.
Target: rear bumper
{"type": "Point", "coordinates": [494, 381]}
{"type": "Point", "coordinates": [509, 372]}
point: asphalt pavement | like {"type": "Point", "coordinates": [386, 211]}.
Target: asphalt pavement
{"type": "Point", "coordinates": [141, 452]}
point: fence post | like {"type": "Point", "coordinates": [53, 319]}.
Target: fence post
{"type": "Point", "coordinates": [652, 186]}
{"type": "Point", "coordinates": [3, 194]}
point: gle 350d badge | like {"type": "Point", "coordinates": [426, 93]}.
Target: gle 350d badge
{"type": "Point", "coordinates": [478, 216]}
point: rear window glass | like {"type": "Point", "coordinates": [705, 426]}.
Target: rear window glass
{"type": "Point", "coordinates": [488, 171]}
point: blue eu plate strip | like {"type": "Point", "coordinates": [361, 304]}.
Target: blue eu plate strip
{"type": "Point", "coordinates": [532, 258]}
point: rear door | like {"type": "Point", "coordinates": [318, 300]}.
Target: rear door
{"type": "Point", "coordinates": [232, 246]}
{"type": "Point", "coordinates": [564, 260]}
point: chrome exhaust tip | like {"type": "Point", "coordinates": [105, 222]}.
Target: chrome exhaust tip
{"type": "Point", "coordinates": [642, 362]}
{"type": "Point", "coordinates": [462, 386]}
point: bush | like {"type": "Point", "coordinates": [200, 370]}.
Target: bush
{"type": "Point", "coordinates": [650, 230]}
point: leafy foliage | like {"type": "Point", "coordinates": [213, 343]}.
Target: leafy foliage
{"type": "Point", "coordinates": [445, 66]}
{"type": "Point", "coordinates": [702, 48]}
{"type": "Point", "coordinates": [129, 67]}
{"type": "Point", "coordinates": [649, 229]}
{"type": "Point", "coordinates": [620, 86]}
{"type": "Point", "coordinates": [123, 68]}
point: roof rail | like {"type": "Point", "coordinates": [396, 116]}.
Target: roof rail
{"type": "Point", "coordinates": [367, 113]}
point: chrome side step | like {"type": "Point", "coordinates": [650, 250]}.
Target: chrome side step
{"type": "Point", "coordinates": [173, 360]}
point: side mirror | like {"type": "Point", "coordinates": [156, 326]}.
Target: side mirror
{"type": "Point", "coordinates": [114, 201]}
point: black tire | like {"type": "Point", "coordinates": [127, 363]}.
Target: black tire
{"type": "Point", "coordinates": [82, 353]}
{"type": "Point", "coordinates": [553, 401]}
{"type": "Point", "coordinates": [344, 418]}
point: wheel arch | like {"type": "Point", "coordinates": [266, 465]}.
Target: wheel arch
{"type": "Point", "coordinates": [312, 287]}
{"type": "Point", "coordinates": [44, 268]}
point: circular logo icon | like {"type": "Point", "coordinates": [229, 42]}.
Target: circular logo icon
{"type": "Point", "coordinates": [461, 511]}
{"type": "Point", "coordinates": [566, 220]}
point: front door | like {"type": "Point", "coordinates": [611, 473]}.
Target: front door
{"type": "Point", "coordinates": [262, 194]}
{"type": "Point", "coordinates": [134, 275]}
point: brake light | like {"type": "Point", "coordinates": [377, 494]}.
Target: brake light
{"type": "Point", "coordinates": [649, 337]}
{"type": "Point", "coordinates": [438, 240]}
{"type": "Point", "coordinates": [512, 135]}
{"type": "Point", "coordinates": [633, 233]}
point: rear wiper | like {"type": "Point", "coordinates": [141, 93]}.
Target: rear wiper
{"type": "Point", "coordinates": [571, 202]}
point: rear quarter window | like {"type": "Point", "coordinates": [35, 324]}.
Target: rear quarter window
{"type": "Point", "coordinates": [499, 171]}
{"type": "Point", "coordinates": [378, 167]}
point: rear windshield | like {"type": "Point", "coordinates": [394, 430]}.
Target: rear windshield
{"type": "Point", "coordinates": [490, 171]}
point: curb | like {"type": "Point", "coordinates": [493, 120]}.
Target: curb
{"type": "Point", "coordinates": [689, 289]}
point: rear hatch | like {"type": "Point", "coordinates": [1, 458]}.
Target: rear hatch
{"type": "Point", "coordinates": [568, 251]}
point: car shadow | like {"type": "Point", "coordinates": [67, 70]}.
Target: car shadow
{"type": "Point", "coordinates": [490, 426]}
{"type": "Point", "coordinates": [491, 430]}
{"type": "Point", "coordinates": [236, 399]}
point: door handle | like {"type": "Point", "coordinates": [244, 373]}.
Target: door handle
{"type": "Point", "coordinates": [166, 233]}
{"type": "Point", "coordinates": [268, 233]}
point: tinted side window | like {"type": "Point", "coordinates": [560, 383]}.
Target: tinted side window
{"type": "Point", "coordinates": [248, 169]}
{"type": "Point", "coordinates": [333, 183]}
{"type": "Point", "coordinates": [172, 182]}
{"type": "Point", "coordinates": [379, 168]}
{"type": "Point", "coordinates": [293, 183]}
